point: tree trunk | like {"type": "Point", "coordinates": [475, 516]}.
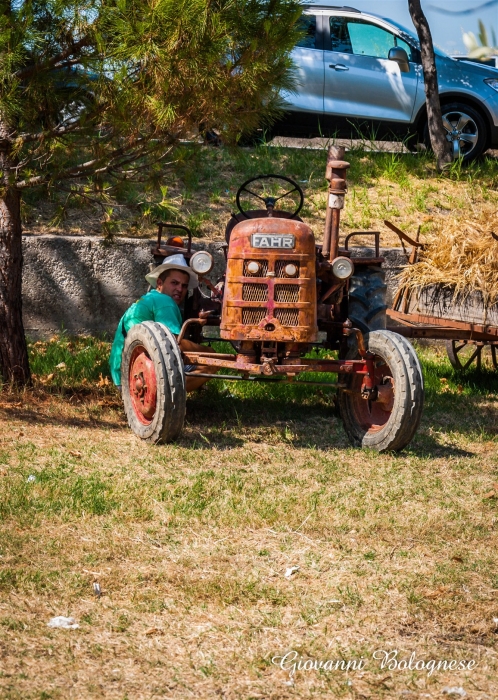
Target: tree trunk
{"type": "Point", "coordinates": [439, 142]}
{"type": "Point", "coordinates": [14, 363]}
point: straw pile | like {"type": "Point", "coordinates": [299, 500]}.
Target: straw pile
{"type": "Point", "coordinates": [461, 257]}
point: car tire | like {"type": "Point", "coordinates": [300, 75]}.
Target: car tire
{"type": "Point", "coordinates": [469, 125]}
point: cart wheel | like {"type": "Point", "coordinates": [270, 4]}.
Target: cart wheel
{"type": "Point", "coordinates": [464, 354]}
{"type": "Point", "coordinates": [390, 422]}
{"type": "Point", "coordinates": [153, 383]}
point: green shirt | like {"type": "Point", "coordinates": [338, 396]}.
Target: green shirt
{"type": "Point", "coordinates": [153, 306]}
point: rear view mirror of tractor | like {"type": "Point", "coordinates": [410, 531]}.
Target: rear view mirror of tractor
{"type": "Point", "coordinates": [282, 294]}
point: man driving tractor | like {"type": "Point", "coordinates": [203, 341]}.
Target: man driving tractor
{"type": "Point", "coordinates": [170, 283]}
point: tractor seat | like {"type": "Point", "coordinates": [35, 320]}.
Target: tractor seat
{"type": "Point", "coordinates": [255, 214]}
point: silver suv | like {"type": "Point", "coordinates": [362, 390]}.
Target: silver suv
{"type": "Point", "coordinates": [361, 75]}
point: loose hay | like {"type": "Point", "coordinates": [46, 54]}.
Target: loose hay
{"type": "Point", "coordinates": [461, 257]}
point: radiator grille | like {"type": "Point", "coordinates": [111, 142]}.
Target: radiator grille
{"type": "Point", "coordinates": [263, 268]}
{"type": "Point", "coordinates": [253, 317]}
{"type": "Point", "coordinates": [254, 292]}
{"type": "Point", "coordinates": [287, 317]}
{"type": "Point", "coordinates": [286, 293]}
{"type": "Point", "coordinates": [279, 267]}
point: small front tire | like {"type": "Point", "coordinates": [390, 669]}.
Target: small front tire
{"type": "Point", "coordinates": [153, 383]}
{"type": "Point", "coordinates": [389, 424]}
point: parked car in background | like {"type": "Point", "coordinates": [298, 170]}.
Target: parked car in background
{"type": "Point", "coordinates": [360, 75]}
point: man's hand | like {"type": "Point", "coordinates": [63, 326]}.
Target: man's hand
{"type": "Point", "coordinates": [205, 314]}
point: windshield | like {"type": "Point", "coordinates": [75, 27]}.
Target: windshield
{"type": "Point", "coordinates": [410, 36]}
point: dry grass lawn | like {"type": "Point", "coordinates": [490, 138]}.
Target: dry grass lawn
{"type": "Point", "coordinates": [190, 544]}
{"type": "Point", "coordinates": [199, 190]}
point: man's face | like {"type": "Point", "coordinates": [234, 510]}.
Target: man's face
{"type": "Point", "coordinates": [175, 285]}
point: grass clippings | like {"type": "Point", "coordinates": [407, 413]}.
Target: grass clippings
{"type": "Point", "coordinates": [190, 544]}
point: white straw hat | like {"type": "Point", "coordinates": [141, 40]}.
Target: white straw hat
{"type": "Point", "coordinates": [173, 262]}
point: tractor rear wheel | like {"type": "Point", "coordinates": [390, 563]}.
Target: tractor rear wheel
{"type": "Point", "coordinates": [153, 383]}
{"type": "Point", "coordinates": [390, 422]}
{"type": "Point", "coordinates": [367, 298]}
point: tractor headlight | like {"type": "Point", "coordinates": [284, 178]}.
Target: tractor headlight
{"type": "Point", "coordinates": [253, 267]}
{"type": "Point", "coordinates": [290, 270]}
{"type": "Point", "coordinates": [201, 262]}
{"type": "Point", "coordinates": [342, 268]}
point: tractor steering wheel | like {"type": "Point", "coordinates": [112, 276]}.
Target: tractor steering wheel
{"type": "Point", "coordinates": [270, 201]}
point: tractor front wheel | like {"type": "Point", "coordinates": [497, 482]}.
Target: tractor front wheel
{"type": "Point", "coordinates": [390, 421]}
{"type": "Point", "coordinates": [153, 383]}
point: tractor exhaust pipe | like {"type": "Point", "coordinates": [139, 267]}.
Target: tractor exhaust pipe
{"type": "Point", "coordinates": [336, 175]}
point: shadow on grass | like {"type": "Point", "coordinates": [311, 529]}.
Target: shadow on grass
{"type": "Point", "coordinates": [229, 414]}
{"type": "Point", "coordinates": [307, 417]}
{"type": "Point", "coordinates": [36, 417]}
{"type": "Point", "coordinates": [58, 405]}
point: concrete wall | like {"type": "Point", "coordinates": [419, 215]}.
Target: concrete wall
{"type": "Point", "coordinates": [84, 285]}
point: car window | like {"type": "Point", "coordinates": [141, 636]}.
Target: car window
{"type": "Point", "coordinates": [307, 24]}
{"type": "Point", "coordinates": [339, 35]}
{"type": "Point", "coordinates": [351, 35]}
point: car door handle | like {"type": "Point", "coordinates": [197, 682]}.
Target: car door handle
{"type": "Point", "coordinates": [338, 66]}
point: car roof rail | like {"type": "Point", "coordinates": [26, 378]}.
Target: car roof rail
{"type": "Point", "coordinates": [333, 7]}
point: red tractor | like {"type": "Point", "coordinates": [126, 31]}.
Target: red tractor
{"type": "Point", "coordinates": [281, 295]}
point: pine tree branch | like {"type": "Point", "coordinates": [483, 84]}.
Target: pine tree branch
{"type": "Point", "coordinates": [96, 166]}
{"type": "Point", "coordinates": [55, 132]}
{"type": "Point", "coordinates": [28, 71]}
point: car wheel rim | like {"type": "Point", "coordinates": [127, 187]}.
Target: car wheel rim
{"type": "Point", "coordinates": [143, 385]}
{"type": "Point", "coordinates": [461, 131]}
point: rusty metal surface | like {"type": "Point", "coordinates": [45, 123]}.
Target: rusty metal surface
{"type": "Point", "coordinates": [302, 365]}
{"type": "Point", "coordinates": [165, 250]}
{"type": "Point", "coordinates": [440, 328]}
{"type": "Point", "coordinates": [253, 304]}
{"type": "Point", "coordinates": [336, 174]}
{"type": "Point", "coordinates": [438, 333]}
{"type": "Point", "coordinates": [190, 322]}
{"type": "Point", "coordinates": [143, 385]}
{"type": "Point", "coordinates": [375, 234]}
{"type": "Point", "coordinates": [367, 261]}
{"type": "Point", "coordinates": [259, 379]}
{"type": "Point", "coordinates": [403, 236]}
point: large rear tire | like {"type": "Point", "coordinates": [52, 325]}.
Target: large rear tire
{"type": "Point", "coordinates": [153, 383]}
{"type": "Point", "coordinates": [367, 298]}
{"type": "Point", "coordinates": [389, 423]}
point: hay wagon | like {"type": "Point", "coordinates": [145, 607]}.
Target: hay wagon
{"type": "Point", "coordinates": [467, 324]}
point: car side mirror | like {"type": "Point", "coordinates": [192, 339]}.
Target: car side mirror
{"type": "Point", "coordinates": [401, 57]}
